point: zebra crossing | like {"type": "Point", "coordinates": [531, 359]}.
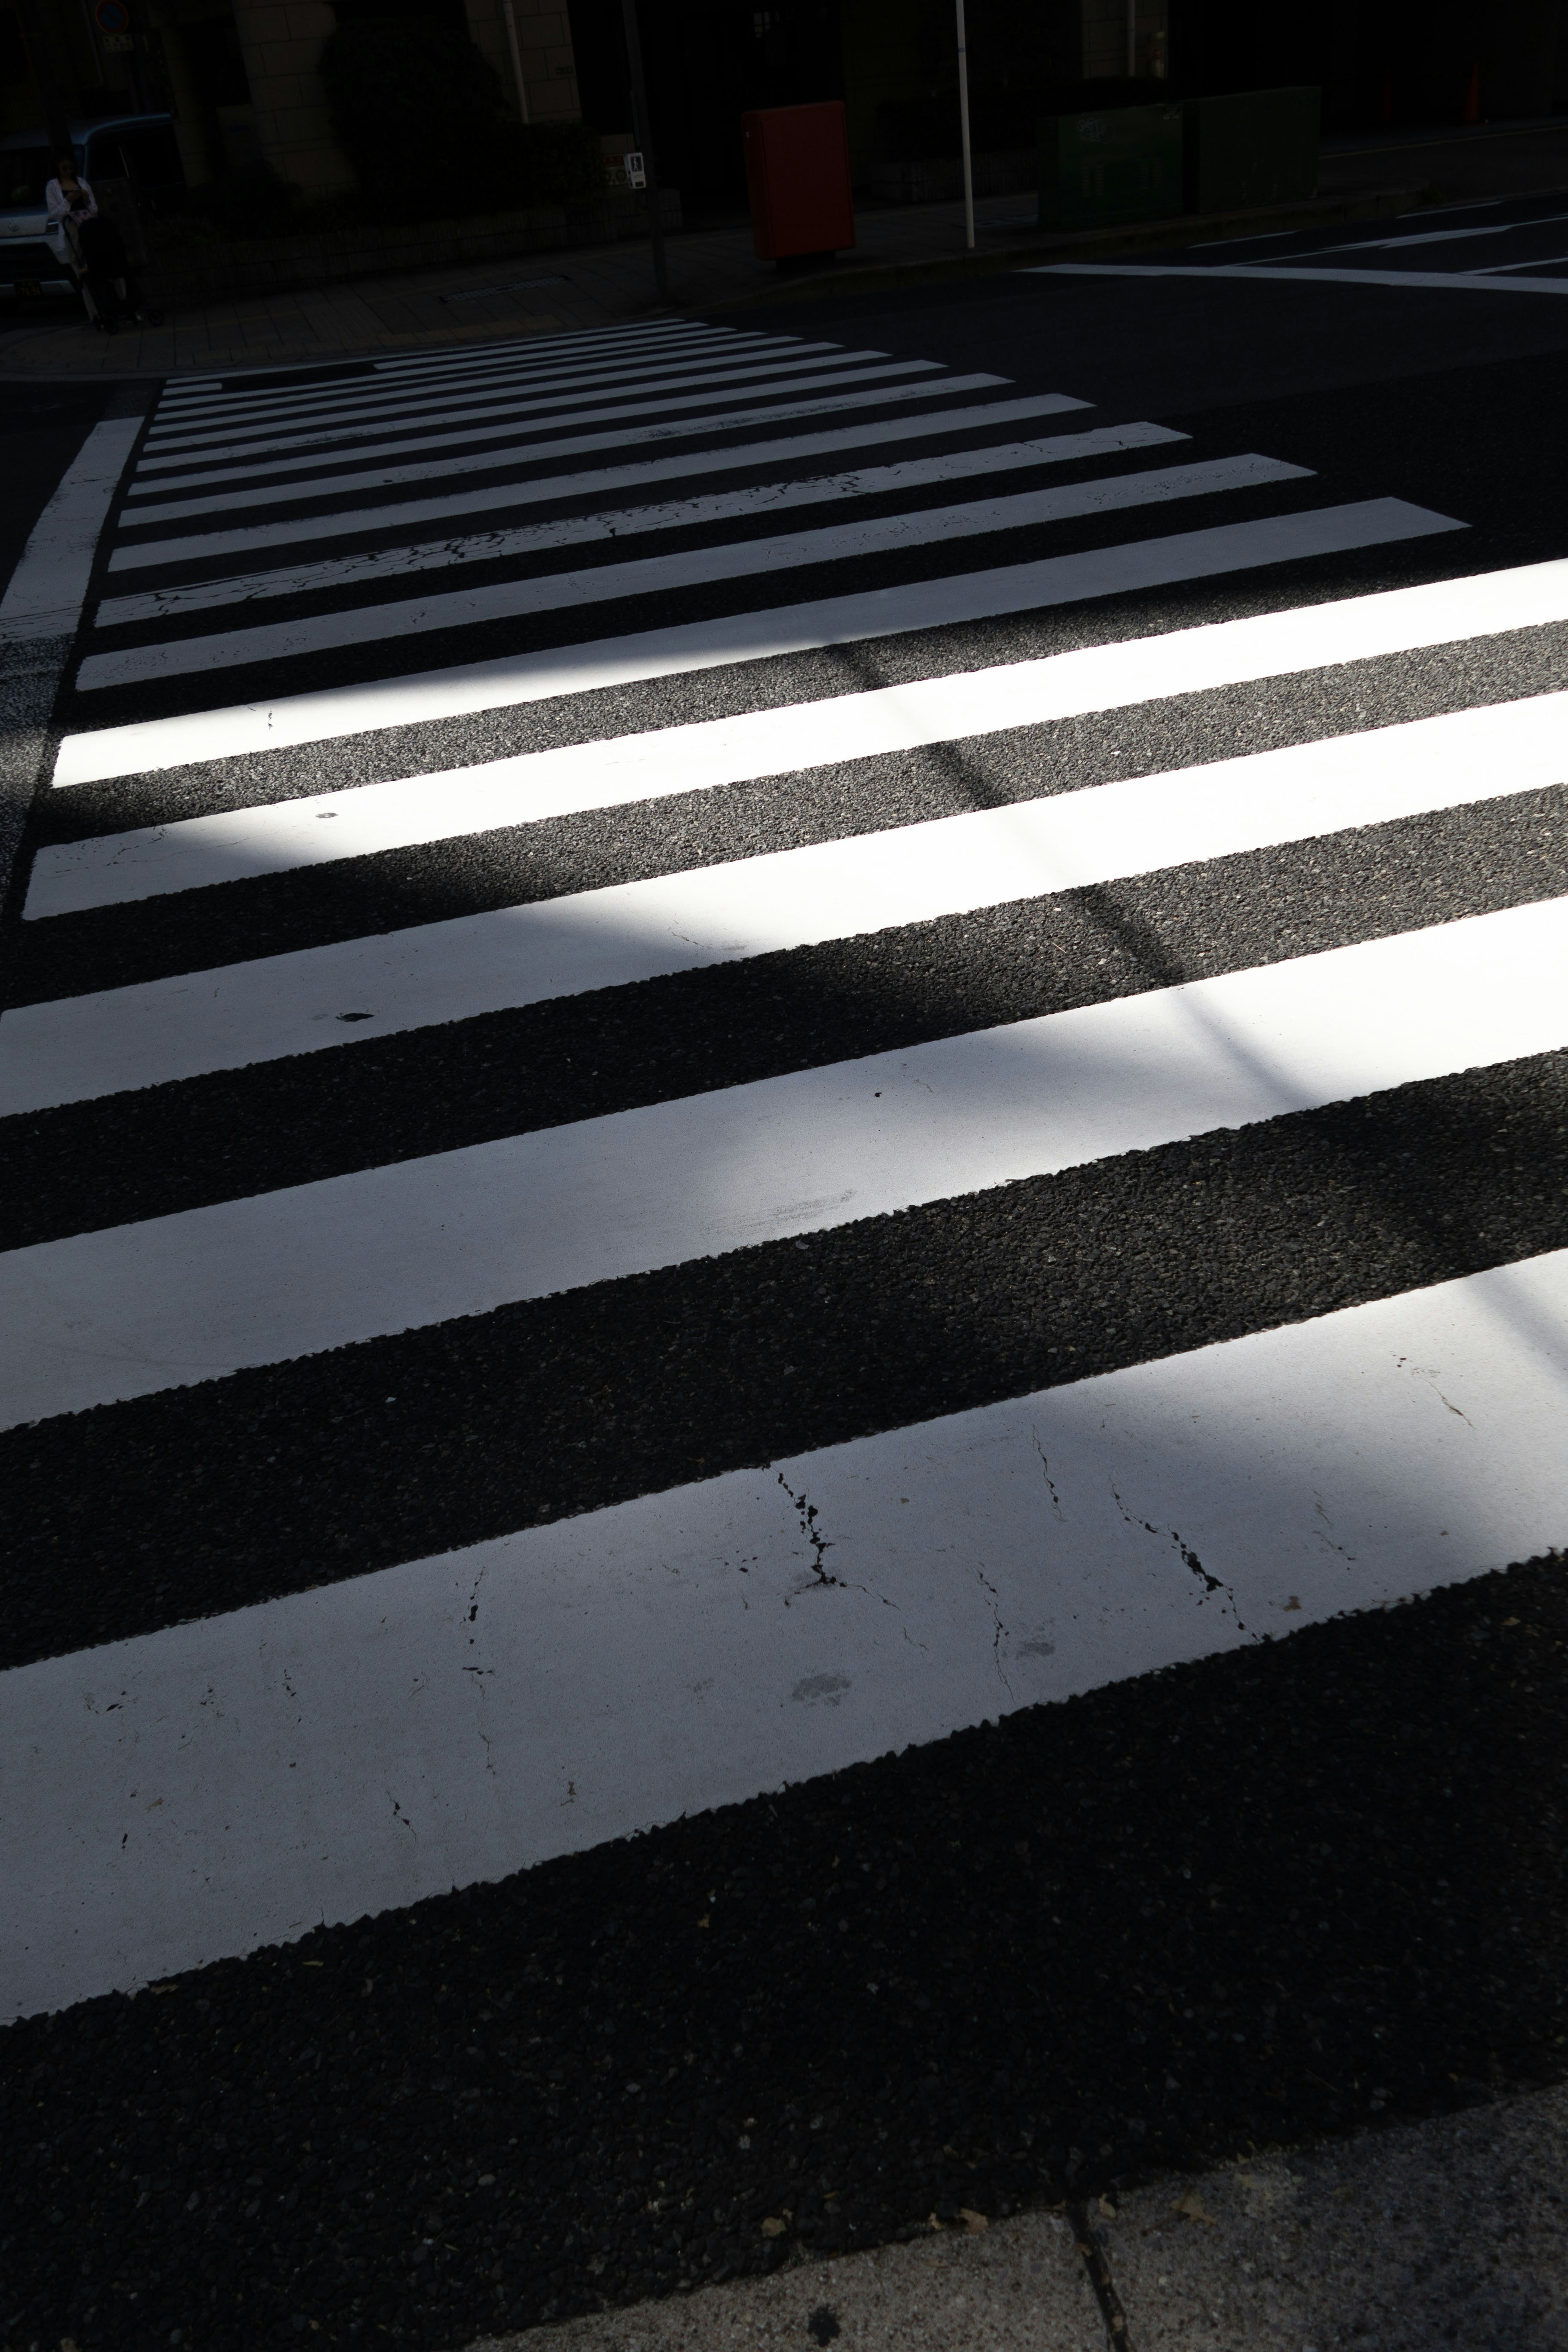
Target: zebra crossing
{"type": "Point", "coordinates": [613, 1114]}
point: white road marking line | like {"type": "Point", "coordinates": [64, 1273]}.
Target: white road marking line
{"type": "Point", "coordinates": [125, 1312]}
{"type": "Point", "coordinates": [1539, 261]}
{"type": "Point", "coordinates": [210, 389]}
{"type": "Point", "coordinates": [242, 1013]}
{"type": "Point", "coordinates": [662, 575]}
{"type": "Point", "coordinates": [605, 480]}
{"type": "Point", "coordinates": [647, 331]}
{"type": "Point", "coordinates": [541, 362]}
{"type": "Point", "coordinates": [1429, 279]}
{"type": "Point", "coordinates": [236, 845]}
{"type": "Point", "coordinates": [1431, 236]}
{"type": "Point", "coordinates": [1120, 672]}
{"type": "Point", "coordinates": [598, 1676]}
{"type": "Point", "coordinates": [734, 372]}
{"type": "Point", "coordinates": [379, 403]}
{"type": "Point", "coordinates": [343, 572]}
{"type": "Point", "coordinates": [277, 492]}
{"type": "Point", "coordinates": [500, 366]}
{"type": "Point", "coordinates": [353, 452]}
{"type": "Point", "coordinates": [44, 595]}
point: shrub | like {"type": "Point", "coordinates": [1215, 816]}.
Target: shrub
{"type": "Point", "coordinates": [415, 107]}
{"type": "Point", "coordinates": [255, 201]}
{"type": "Point", "coordinates": [917, 130]}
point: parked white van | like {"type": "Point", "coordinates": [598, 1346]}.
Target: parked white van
{"type": "Point", "coordinates": [140, 148]}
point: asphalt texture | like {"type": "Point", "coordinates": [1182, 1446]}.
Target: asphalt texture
{"type": "Point", "coordinates": [43, 427]}
{"type": "Point", "coordinates": [1308, 1886]}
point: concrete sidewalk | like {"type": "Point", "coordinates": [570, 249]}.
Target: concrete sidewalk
{"type": "Point", "coordinates": [545, 294]}
{"type": "Point", "coordinates": [1450, 2232]}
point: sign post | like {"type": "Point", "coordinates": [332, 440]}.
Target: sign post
{"type": "Point", "coordinates": [516, 59]}
{"type": "Point", "coordinates": [963, 133]}
{"type": "Point", "coordinates": [645, 144]}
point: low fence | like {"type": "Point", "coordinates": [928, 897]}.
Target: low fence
{"type": "Point", "coordinates": [1011, 173]}
{"type": "Point", "coordinates": [1139, 162]}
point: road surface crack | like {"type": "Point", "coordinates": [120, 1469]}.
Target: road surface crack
{"type": "Point", "coordinates": [820, 1545]}
{"type": "Point", "coordinates": [1188, 1557]}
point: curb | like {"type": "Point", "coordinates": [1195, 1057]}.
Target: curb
{"type": "Point", "coordinates": [1138, 236]}
{"type": "Point", "coordinates": [41, 609]}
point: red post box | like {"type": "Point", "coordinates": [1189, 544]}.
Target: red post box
{"type": "Point", "coordinates": [797, 169]}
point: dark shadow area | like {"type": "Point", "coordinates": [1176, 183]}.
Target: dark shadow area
{"type": "Point", "coordinates": [1169, 346]}
{"type": "Point", "coordinates": [200, 1499]}
{"type": "Point", "coordinates": [42, 426]}
{"type": "Point", "coordinates": [368, 1103]}
{"type": "Point", "coordinates": [1310, 1887]}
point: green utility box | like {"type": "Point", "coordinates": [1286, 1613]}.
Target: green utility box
{"type": "Point", "coordinates": [1122, 165]}
{"type": "Point", "coordinates": [1252, 147]}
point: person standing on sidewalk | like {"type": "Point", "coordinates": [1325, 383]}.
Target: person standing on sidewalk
{"type": "Point", "coordinates": [66, 199]}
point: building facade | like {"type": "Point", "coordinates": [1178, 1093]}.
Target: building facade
{"type": "Point", "coordinates": [240, 76]}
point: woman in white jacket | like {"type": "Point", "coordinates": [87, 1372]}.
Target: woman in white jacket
{"type": "Point", "coordinates": [66, 198]}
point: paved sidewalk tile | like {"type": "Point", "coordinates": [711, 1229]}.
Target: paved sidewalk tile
{"type": "Point", "coordinates": [541, 294]}
{"type": "Point", "coordinates": [1452, 2232]}
{"type": "Point", "coordinates": [1018, 2286]}
{"type": "Point", "coordinates": [532, 294]}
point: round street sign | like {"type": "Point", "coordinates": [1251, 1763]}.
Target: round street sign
{"type": "Point", "coordinates": [111, 15]}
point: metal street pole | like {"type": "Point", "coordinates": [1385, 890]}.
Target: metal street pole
{"type": "Point", "coordinates": [963, 130]}
{"type": "Point", "coordinates": [643, 125]}
{"type": "Point", "coordinates": [510, 15]}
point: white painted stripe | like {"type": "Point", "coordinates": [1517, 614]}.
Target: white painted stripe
{"type": "Point", "coordinates": [44, 595]}
{"type": "Point", "coordinates": [1120, 672]}
{"type": "Point", "coordinates": [237, 845]}
{"type": "Point", "coordinates": [649, 330]}
{"type": "Point", "coordinates": [247, 411]}
{"type": "Point", "coordinates": [499, 452]}
{"type": "Point", "coordinates": [704, 363]}
{"type": "Point", "coordinates": [1546, 261]}
{"type": "Point", "coordinates": [124, 1312]}
{"type": "Point", "coordinates": [750, 377]}
{"type": "Point", "coordinates": [542, 365]}
{"type": "Point", "coordinates": [662, 575]}
{"type": "Point", "coordinates": [343, 572]}
{"type": "Point", "coordinates": [1441, 279]}
{"type": "Point", "coordinates": [506, 412]}
{"type": "Point", "coordinates": [415, 362]}
{"type": "Point", "coordinates": [300, 399]}
{"type": "Point", "coordinates": [1430, 236]}
{"type": "Point", "coordinates": [197, 389]}
{"type": "Point", "coordinates": [190, 1795]}
{"type": "Point", "coordinates": [240, 1013]}
{"type": "Point", "coordinates": [606, 481]}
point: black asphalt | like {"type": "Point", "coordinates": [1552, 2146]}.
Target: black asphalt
{"type": "Point", "coordinates": [1315, 1886]}
{"type": "Point", "coordinates": [1312, 1885]}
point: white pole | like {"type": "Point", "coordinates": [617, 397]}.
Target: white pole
{"type": "Point", "coordinates": [963, 130]}
{"type": "Point", "coordinates": [516, 58]}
